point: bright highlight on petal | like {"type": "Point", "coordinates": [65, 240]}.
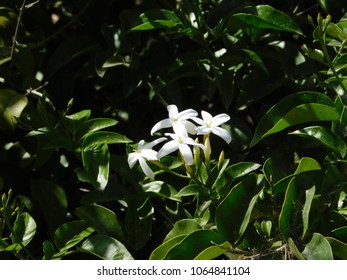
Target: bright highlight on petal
{"type": "Point", "coordinates": [143, 153]}
{"type": "Point", "coordinates": [177, 120]}
{"type": "Point", "coordinates": [209, 124]}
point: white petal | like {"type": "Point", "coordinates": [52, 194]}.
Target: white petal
{"type": "Point", "coordinates": [161, 124]}
{"type": "Point", "coordinates": [220, 119]}
{"type": "Point", "coordinates": [149, 154]}
{"type": "Point", "coordinates": [132, 159]}
{"type": "Point", "coordinates": [155, 142]}
{"type": "Point", "coordinates": [190, 127]}
{"type": "Point", "coordinates": [168, 148]}
{"type": "Point", "coordinates": [179, 128]}
{"type": "Point", "coordinates": [222, 133]}
{"type": "Point", "coordinates": [207, 117]}
{"type": "Point", "coordinates": [204, 130]}
{"type": "Point", "coordinates": [173, 111]}
{"type": "Point", "coordinates": [145, 168]}
{"type": "Point", "coordinates": [187, 114]}
{"type": "Point", "coordinates": [198, 120]}
{"type": "Point", "coordinates": [186, 153]}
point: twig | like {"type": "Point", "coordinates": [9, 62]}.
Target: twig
{"type": "Point", "coordinates": [21, 11]}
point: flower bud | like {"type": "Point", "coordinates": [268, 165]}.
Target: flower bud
{"type": "Point", "coordinates": [220, 159]}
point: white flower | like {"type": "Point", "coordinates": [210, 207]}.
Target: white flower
{"type": "Point", "coordinates": [209, 124]}
{"type": "Point", "coordinates": [143, 153]}
{"type": "Point", "coordinates": [181, 143]}
{"type": "Point", "coordinates": [178, 121]}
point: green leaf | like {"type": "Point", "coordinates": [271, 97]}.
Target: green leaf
{"type": "Point", "coordinates": [96, 163]}
{"type": "Point", "coordinates": [106, 248]}
{"type": "Point", "coordinates": [182, 227]}
{"type": "Point", "coordinates": [265, 16]}
{"type": "Point", "coordinates": [48, 250]}
{"type": "Point", "coordinates": [339, 248]}
{"type": "Point", "coordinates": [161, 251]}
{"type": "Point", "coordinates": [295, 249]}
{"type": "Point", "coordinates": [307, 164]}
{"type": "Point", "coordinates": [154, 19]}
{"type": "Point", "coordinates": [12, 105]}
{"type": "Point", "coordinates": [318, 248]}
{"type": "Point", "coordinates": [103, 137]}
{"type": "Point", "coordinates": [193, 244]}
{"type": "Point", "coordinates": [138, 222]}
{"type": "Point", "coordinates": [70, 234]}
{"type": "Point", "coordinates": [213, 252]}
{"type": "Point", "coordinates": [94, 125]}
{"type": "Point", "coordinates": [325, 137]}
{"type": "Point", "coordinates": [295, 109]}
{"type": "Point", "coordinates": [161, 189]}
{"type": "Point", "coordinates": [102, 219]}
{"type": "Point", "coordinates": [52, 201]}
{"type": "Point", "coordinates": [306, 210]}
{"type": "Point", "coordinates": [24, 229]}
{"type": "Point", "coordinates": [237, 207]}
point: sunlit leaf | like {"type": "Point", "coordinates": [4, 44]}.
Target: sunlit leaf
{"type": "Point", "coordinates": [318, 248]}
{"type": "Point", "coordinates": [106, 248]}
{"type": "Point", "coordinates": [295, 109]}
{"type": "Point", "coordinates": [24, 229]}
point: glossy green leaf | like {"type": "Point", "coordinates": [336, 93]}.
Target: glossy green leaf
{"type": "Point", "coordinates": [318, 248]}
{"type": "Point", "coordinates": [161, 251]}
{"type": "Point", "coordinates": [160, 188]}
{"type": "Point", "coordinates": [24, 229]}
{"type": "Point", "coordinates": [295, 109]}
{"type": "Point", "coordinates": [325, 137]}
{"type": "Point", "coordinates": [324, 5]}
{"type": "Point", "coordinates": [339, 248]}
{"type": "Point", "coordinates": [94, 125]}
{"type": "Point", "coordinates": [306, 209]}
{"type": "Point", "coordinates": [265, 16]}
{"type": "Point", "coordinates": [193, 244]}
{"type": "Point", "coordinates": [106, 248]}
{"type": "Point", "coordinates": [70, 234]}
{"type": "Point", "coordinates": [12, 105]}
{"type": "Point", "coordinates": [102, 219]}
{"type": "Point", "coordinates": [237, 207]}
{"type": "Point", "coordinates": [182, 227]}
{"type": "Point", "coordinates": [288, 220]}
{"type": "Point", "coordinates": [96, 163]}
{"type": "Point", "coordinates": [48, 250]}
{"type": "Point", "coordinates": [334, 31]}
{"type": "Point", "coordinates": [52, 201]}
{"type": "Point", "coordinates": [103, 137]}
{"type": "Point", "coordinates": [154, 19]}
{"type": "Point", "coordinates": [340, 233]}
{"type": "Point", "coordinates": [81, 116]}
{"type": "Point", "coordinates": [307, 164]}
{"type": "Point", "coordinates": [212, 252]}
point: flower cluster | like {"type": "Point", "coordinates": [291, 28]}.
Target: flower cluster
{"type": "Point", "coordinates": [184, 124]}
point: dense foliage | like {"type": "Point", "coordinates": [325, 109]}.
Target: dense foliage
{"type": "Point", "coordinates": [85, 92]}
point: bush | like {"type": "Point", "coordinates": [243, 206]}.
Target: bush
{"type": "Point", "coordinates": [250, 163]}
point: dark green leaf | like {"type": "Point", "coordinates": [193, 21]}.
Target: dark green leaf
{"type": "Point", "coordinates": [295, 109]}
{"type": "Point", "coordinates": [52, 201]}
{"type": "Point", "coordinates": [48, 250]}
{"type": "Point", "coordinates": [193, 244]}
{"type": "Point", "coordinates": [70, 234]}
{"type": "Point", "coordinates": [325, 137]}
{"type": "Point", "coordinates": [24, 229]}
{"type": "Point", "coordinates": [103, 137]}
{"type": "Point", "coordinates": [154, 19]}
{"type": "Point", "coordinates": [106, 248]}
{"type": "Point", "coordinates": [96, 162]}
{"type": "Point", "coordinates": [265, 16]}
{"type": "Point", "coordinates": [182, 227]}
{"type": "Point", "coordinates": [102, 219]}
{"type": "Point", "coordinates": [339, 248]}
{"type": "Point", "coordinates": [161, 189]}
{"type": "Point", "coordinates": [161, 251]}
{"type": "Point", "coordinates": [213, 252]}
{"type": "Point", "coordinates": [237, 207]}
{"type": "Point", "coordinates": [138, 222]}
{"type": "Point", "coordinates": [318, 248]}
